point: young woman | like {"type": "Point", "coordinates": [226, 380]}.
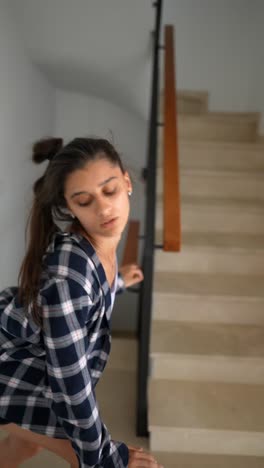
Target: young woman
{"type": "Point", "coordinates": [55, 326]}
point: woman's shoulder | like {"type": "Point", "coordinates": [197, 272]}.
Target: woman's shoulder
{"type": "Point", "coordinates": [67, 258]}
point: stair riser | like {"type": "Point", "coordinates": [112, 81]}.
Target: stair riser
{"type": "Point", "coordinates": [208, 368]}
{"type": "Point", "coordinates": [206, 261]}
{"type": "Point", "coordinates": [187, 103]}
{"type": "Point", "coordinates": [208, 219]}
{"type": "Point", "coordinates": [237, 187]}
{"type": "Point", "coordinates": [120, 357]}
{"type": "Point", "coordinates": [170, 307]}
{"type": "Point", "coordinates": [187, 460]}
{"type": "Point", "coordinates": [190, 128]}
{"type": "Point", "coordinates": [191, 106]}
{"type": "Point", "coordinates": [212, 156]}
{"type": "Point", "coordinates": [166, 439]}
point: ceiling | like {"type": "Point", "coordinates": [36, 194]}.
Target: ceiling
{"type": "Point", "coordinates": [97, 47]}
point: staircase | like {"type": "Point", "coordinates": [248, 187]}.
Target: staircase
{"type": "Point", "coordinates": [206, 388]}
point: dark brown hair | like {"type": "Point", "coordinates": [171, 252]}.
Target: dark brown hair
{"type": "Point", "coordinates": [49, 203]}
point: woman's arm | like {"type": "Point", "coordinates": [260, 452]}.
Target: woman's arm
{"type": "Point", "coordinates": [65, 314]}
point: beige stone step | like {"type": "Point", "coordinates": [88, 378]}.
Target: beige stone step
{"type": "Point", "coordinates": [217, 155]}
{"type": "Point", "coordinates": [209, 258]}
{"type": "Point", "coordinates": [212, 285]}
{"type": "Point", "coordinates": [202, 308]}
{"type": "Point", "coordinates": [207, 339]}
{"type": "Point", "coordinates": [233, 241]}
{"type": "Point", "coordinates": [203, 351]}
{"type": "Point", "coordinates": [186, 460]}
{"type": "Point", "coordinates": [218, 183]}
{"type": "Point", "coordinates": [218, 126]}
{"type": "Point", "coordinates": [116, 393]}
{"type": "Point", "coordinates": [122, 350]}
{"type": "Point", "coordinates": [215, 298]}
{"type": "Point", "coordinates": [188, 102]}
{"type": "Point", "coordinates": [200, 214]}
{"type": "Point", "coordinates": [206, 417]}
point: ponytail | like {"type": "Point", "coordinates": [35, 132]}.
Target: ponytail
{"type": "Point", "coordinates": [40, 228]}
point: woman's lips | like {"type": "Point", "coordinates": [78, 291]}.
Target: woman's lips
{"type": "Point", "coordinates": [109, 223]}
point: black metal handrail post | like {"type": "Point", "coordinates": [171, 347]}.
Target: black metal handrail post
{"type": "Point", "coordinates": [145, 295]}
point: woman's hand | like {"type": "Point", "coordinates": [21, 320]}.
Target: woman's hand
{"type": "Point", "coordinates": [131, 273]}
{"type": "Point", "coordinates": [138, 458]}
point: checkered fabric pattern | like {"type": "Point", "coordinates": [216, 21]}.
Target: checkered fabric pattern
{"type": "Point", "coordinates": [48, 375]}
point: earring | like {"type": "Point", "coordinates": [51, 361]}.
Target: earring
{"type": "Point", "coordinates": [72, 215]}
{"type": "Point", "coordinates": [129, 193]}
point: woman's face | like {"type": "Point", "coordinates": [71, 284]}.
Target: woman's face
{"type": "Point", "coordinates": [98, 196]}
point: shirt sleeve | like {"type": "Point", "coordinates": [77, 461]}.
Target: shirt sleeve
{"type": "Point", "coordinates": [120, 285]}
{"type": "Point", "coordinates": [65, 314]}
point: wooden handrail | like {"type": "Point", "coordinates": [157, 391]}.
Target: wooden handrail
{"type": "Point", "coordinates": [130, 254]}
{"type": "Point", "coordinates": [171, 187]}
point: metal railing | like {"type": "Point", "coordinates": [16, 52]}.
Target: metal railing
{"type": "Point", "coordinates": [145, 293]}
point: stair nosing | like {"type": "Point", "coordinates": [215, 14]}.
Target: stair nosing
{"type": "Point", "coordinates": [211, 297]}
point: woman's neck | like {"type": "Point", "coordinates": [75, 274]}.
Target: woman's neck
{"type": "Point", "coordinates": [105, 251]}
{"type": "Point", "coordinates": [105, 248]}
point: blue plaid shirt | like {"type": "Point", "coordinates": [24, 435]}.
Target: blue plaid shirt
{"type": "Point", "coordinates": [48, 375]}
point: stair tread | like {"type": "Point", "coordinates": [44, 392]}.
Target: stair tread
{"type": "Point", "coordinates": [116, 394]}
{"type": "Point", "coordinates": [197, 460]}
{"type": "Point", "coordinates": [222, 117]}
{"type": "Point", "coordinates": [206, 405]}
{"type": "Point", "coordinates": [122, 349]}
{"type": "Point", "coordinates": [214, 285]}
{"type": "Point", "coordinates": [230, 204]}
{"type": "Point", "coordinates": [234, 241]}
{"type": "Point", "coordinates": [223, 155]}
{"type": "Point", "coordinates": [232, 340]}
{"type": "Point", "coordinates": [244, 147]}
{"type": "Point", "coordinates": [210, 172]}
{"type": "Point", "coordinates": [228, 126]}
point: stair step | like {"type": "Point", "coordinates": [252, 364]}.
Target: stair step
{"type": "Point", "coordinates": [233, 241]}
{"type": "Point", "coordinates": [202, 308]}
{"type": "Point", "coordinates": [207, 339]}
{"type": "Point", "coordinates": [186, 460]}
{"type": "Point", "coordinates": [208, 298]}
{"type": "Point", "coordinates": [116, 393]}
{"type": "Point", "coordinates": [214, 285]}
{"type": "Point", "coordinates": [189, 102]}
{"type": "Point", "coordinates": [218, 183]}
{"type": "Point", "coordinates": [205, 417]}
{"type": "Point", "coordinates": [203, 351]}
{"type": "Point", "coordinates": [209, 258]}
{"type": "Point", "coordinates": [121, 351]}
{"type": "Point", "coordinates": [214, 214]}
{"type": "Point", "coordinates": [217, 155]}
{"type": "Point", "coordinates": [219, 126]}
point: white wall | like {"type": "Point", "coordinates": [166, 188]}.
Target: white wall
{"type": "Point", "coordinates": [258, 58]}
{"type": "Point", "coordinates": [96, 47]}
{"type": "Point", "coordinates": [82, 115]}
{"type": "Point", "coordinates": [26, 114]}
{"type": "Point", "coordinates": [219, 48]}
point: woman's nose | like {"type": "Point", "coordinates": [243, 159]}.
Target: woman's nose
{"type": "Point", "coordinates": [103, 207]}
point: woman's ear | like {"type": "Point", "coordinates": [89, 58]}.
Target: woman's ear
{"type": "Point", "coordinates": [128, 182]}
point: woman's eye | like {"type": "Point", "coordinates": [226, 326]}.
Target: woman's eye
{"type": "Point", "coordinates": [85, 204]}
{"type": "Point", "coordinates": [110, 192]}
